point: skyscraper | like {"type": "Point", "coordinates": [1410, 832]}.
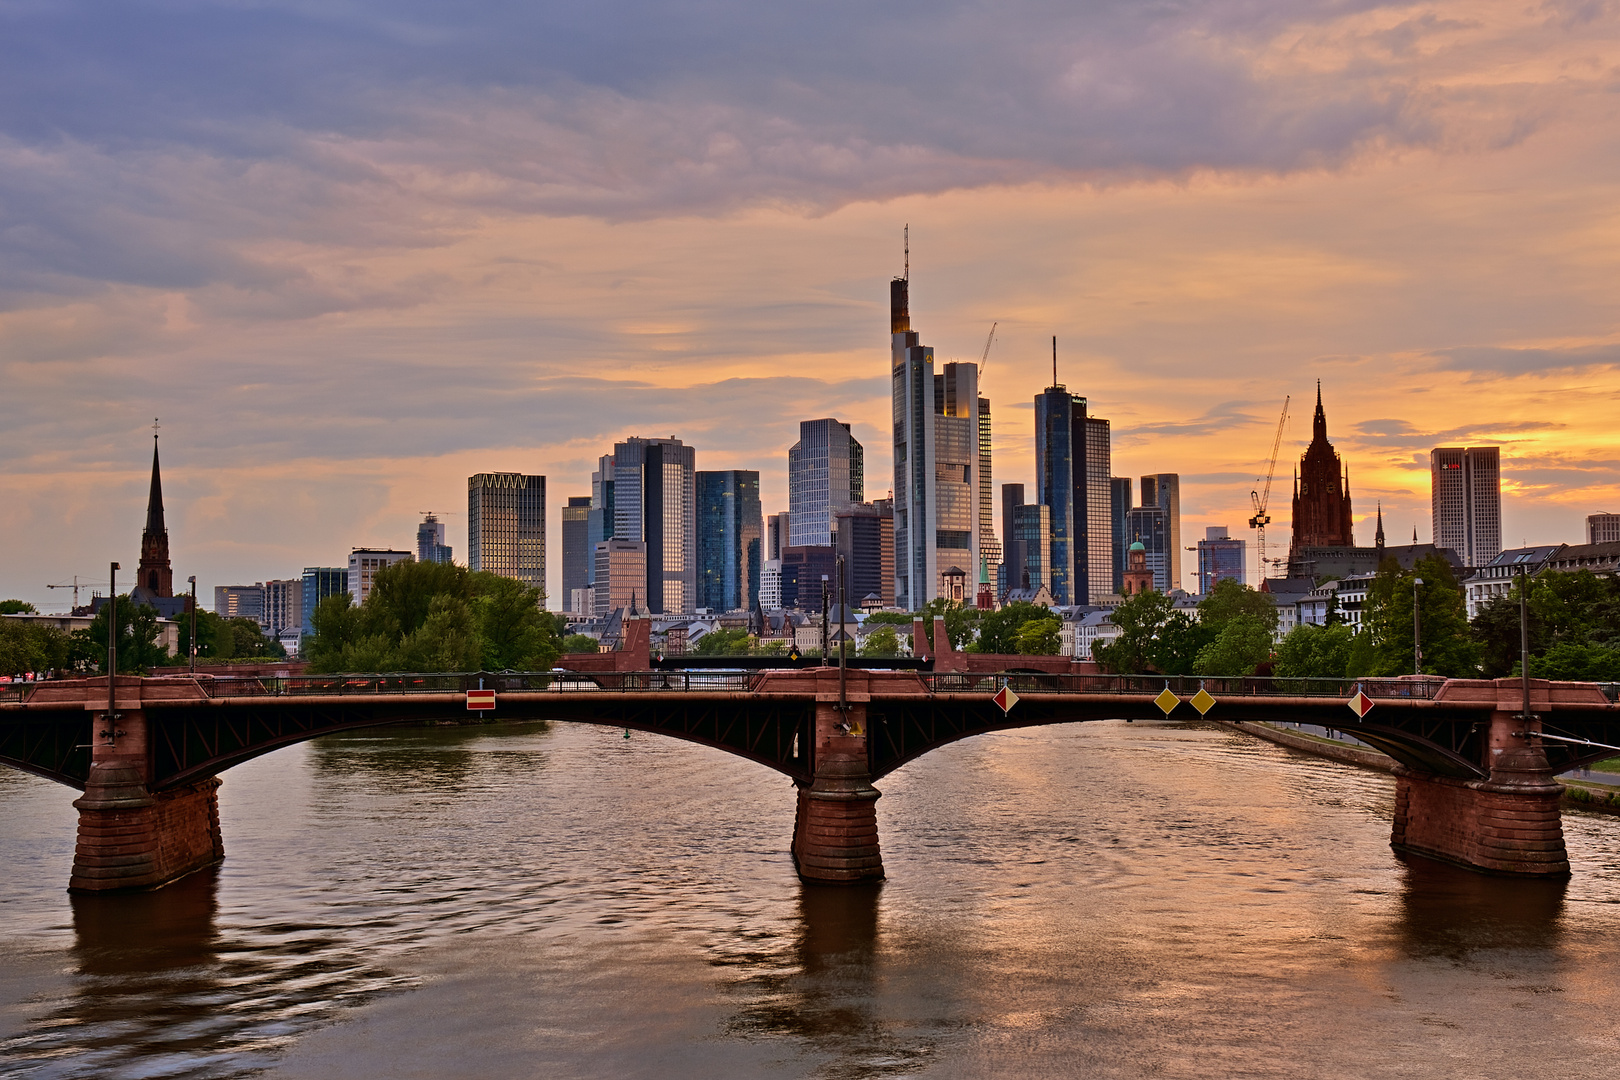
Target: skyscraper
{"type": "Point", "coordinates": [1056, 487]}
{"type": "Point", "coordinates": [1466, 491]}
{"type": "Point", "coordinates": [430, 545]}
{"type": "Point", "coordinates": [620, 576]}
{"type": "Point", "coordinates": [1321, 495]}
{"type": "Point", "coordinates": [1149, 526]}
{"type": "Point", "coordinates": [864, 539]}
{"type": "Point", "coordinates": [1219, 556]}
{"type": "Point", "coordinates": [1099, 517]}
{"type": "Point", "coordinates": [1120, 508]}
{"type": "Point", "coordinates": [653, 499]}
{"type": "Point", "coordinates": [317, 583]}
{"type": "Point", "coordinates": [283, 606]}
{"type": "Point", "coordinates": [826, 474]}
{"type": "Point", "coordinates": [936, 461]}
{"type": "Point", "coordinates": [1164, 491]}
{"type": "Point", "coordinates": [1012, 550]}
{"type": "Point", "coordinates": [506, 526]}
{"type": "Point", "coordinates": [730, 540]}
{"type": "Point", "coordinates": [989, 545]}
{"type": "Point", "coordinates": [576, 549]}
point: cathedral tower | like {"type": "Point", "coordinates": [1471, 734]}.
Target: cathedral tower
{"type": "Point", "coordinates": [155, 578]}
{"type": "Point", "coordinates": [1321, 493]}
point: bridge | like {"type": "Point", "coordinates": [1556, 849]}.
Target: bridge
{"type": "Point", "coordinates": [1475, 777]}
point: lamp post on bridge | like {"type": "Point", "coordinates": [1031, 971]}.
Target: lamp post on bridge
{"type": "Point", "coordinates": [193, 648]}
{"type": "Point", "coordinates": [1417, 630]}
{"type": "Point", "coordinates": [112, 637]}
{"type": "Point", "coordinates": [1524, 635]}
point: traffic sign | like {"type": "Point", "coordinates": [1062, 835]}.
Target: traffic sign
{"type": "Point", "coordinates": [1006, 699]}
{"type": "Point", "coordinates": [480, 700]}
{"type": "Point", "coordinates": [1360, 704]}
{"type": "Point", "coordinates": [1166, 701]}
{"type": "Point", "coordinates": [1202, 701]}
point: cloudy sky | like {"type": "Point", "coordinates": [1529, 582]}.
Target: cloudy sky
{"type": "Point", "coordinates": [351, 252]}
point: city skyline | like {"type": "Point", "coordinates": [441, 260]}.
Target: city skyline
{"type": "Point", "coordinates": [1379, 209]}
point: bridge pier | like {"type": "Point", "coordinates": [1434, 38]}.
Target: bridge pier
{"type": "Point", "coordinates": [130, 837]}
{"type": "Point", "coordinates": [1507, 824]}
{"type": "Point", "coordinates": [835, 833]}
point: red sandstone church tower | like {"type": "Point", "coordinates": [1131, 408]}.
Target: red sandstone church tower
{"type": "Point", "coordinates": [155, 578]}
{"type": "Point", "coordinates": [1321, 493]}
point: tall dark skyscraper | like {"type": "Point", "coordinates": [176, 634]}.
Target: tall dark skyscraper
{"type": "Point", "coordinates": [1164, 491]}
{"type": "Point", "coordinates": [645, 491]}
{"type": "Point", "coordinates": [506, 526]}
{"type": "Point", "coordinates": [1119, 491]}
{"type": "Point", "coordinates": [1149, 526]}
{"type": "Point", "coordinates": [1321, 494]}
{"type": "Point", "coordinates": [826, 474]}
{"type": "Point", "coordinates": [864, 539]}
{"type": "Point", "coordinates": [730, 540]}
{"type": "Point", "coordinates": [577, 555]}
{"type": "Point", "coordinates": [1056, 487]}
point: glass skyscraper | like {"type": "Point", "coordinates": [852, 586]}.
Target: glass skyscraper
{"type": "Point", "coordinates": [1164, 491]}
{"type": "Point", "coordinates": [576, 549]}
{"type": "Point", "coordinates": [826, 474]}
{"type": "Point", "coordinates": [430, 545]}
{"type": "Point", "coordinates": [645, 491]}
{"type": "Point", "coordinates": [319, 582]}
{"type": "Point", "coordinates": [730, 540]}
{"type": "Point", "coordinates": [506, 526]}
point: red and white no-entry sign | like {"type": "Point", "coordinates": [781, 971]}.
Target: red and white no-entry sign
{"type": "Point", "coordinates": [480, 700]}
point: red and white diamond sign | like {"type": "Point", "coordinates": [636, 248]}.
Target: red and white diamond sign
{"type": "Point", "coordinates": [1006, 699]}
{"type": "Point", "coordinates": [1360, 704]}
{"type": "Point", "coordinates": [480, 700]}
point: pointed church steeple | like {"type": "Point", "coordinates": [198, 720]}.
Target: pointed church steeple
{"type": "Point", "coordinates": [155, 578]}
{"type": "Point", "coordinates": [1319, 423]}
{"type": "Point", "coordinates": [1378, 540]}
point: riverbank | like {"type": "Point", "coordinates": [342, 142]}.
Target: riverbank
{"type": "Point", "coordinates": [1585, 794]}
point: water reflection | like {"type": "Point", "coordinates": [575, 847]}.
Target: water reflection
{"type": "Point", "coordinates": [440, 756]}
{"type": "Point", "coordinates": [1450, 912]}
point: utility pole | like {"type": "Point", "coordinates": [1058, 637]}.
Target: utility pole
{"type": "Point", "coordinates": [843, 639]}
{"type": "Point", "coordinates": [824, 598]}
{"type": "Point", "coordinates": [193, 650]}
{"type": "Point", "coordinates": [1524, 636]}
{"type": "Point", "coordinates": [112, 640]}
{"type": "Point", "coordinates": [1417, 630]}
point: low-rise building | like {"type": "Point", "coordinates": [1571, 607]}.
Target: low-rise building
{"type": "Point", "coordinates": [1496, 578]}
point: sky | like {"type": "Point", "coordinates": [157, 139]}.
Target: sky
{"type": "Point", "coordinates": [350, 253]}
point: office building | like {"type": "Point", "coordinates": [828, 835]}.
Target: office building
{"type": "Point", "coordinates": [316, 584]}
{"type": "Point", "coordinates": [803, 569]}
{"type": "Point", "coordinates": [363, 566]}
{"type": "Point", "coordinates": [1219, 556]}
{"type": "Point", "coordinates": [1012, 551]}
{"type": "Point", "coordinates": [864, 539]}
{"type": "Point", "coordinates": [646, 491]}
{"type": "Point", "coordinates": [936, 462]}
{"type": "Point", "coordinates": [826, 474]}
{"type": "Point", "coordinates": [1603, 528]}
{"type": "Point", "coordinates": [506, 526]}
{"type": "Point", "coordinates": [1149, 527]}
{"type": "Point", "coordinates": [621, 577]}
{"type": "Point", "coordinates": [1466, 492]}
{"type": "Point", "coordinates": [1098, 532]}
{"type": "Point", "coordinates": [778, 531]}
{"type": "Point", "coordinates": [1321, 498]}
{"type": "Point", "coordinates": [576, 549]}
{"type": "Point", "coordinates": [1073, 462]}
{"type": "Point", "coordinates": [430, 545]}
{"type": "Point", "coordinates": [1164, 491]}
{"type": "Point", "coordinates": [730, 540]}
{"type": "Point", "coordinates": [1026, 554]}
{"type": "Point", "coordinates": [989, 543]}
{"type": "Point", "coordinates": [240, 602]}
{"type": "Point", "coordinates": [1120, 488]}
{"type": "Point", "coordinates": [283, 606]}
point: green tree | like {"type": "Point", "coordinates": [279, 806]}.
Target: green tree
{"type": "Point", "coordinates": [17, 607]}
{"type": "Point", "coordinates": [1244, 643]}
{"type": "Point", "coordinates": [1577, 661]}
{"type": "Point", "coordinates": [1229, 600]}
{"type": "Point", "coordinates": [516, 632]}
{"type": "Point", "coordinates": [31, 647]}
{"type": "Point", "coordinates": [1041, 637]}
{"type": "Point", "coordinates": [960, 620]}
{"type": "Point", "coordinates": [447, 640]}
{"type": "Point", "coordinates": [579, 643]}
{"type": "Point", "coordinates": [1448, 647]}
{"type": "Point", "coordinates": [724, 642]}
{"type": "Point", "coordinates": [882, 642]}
{"type": "Point", "coordinates": [1315, 652]}
{"type": "Point", "coordinates": [999, 629]}
{"type": "Point", "coordinates": [138, 632]}
{"type": "Point", "coordinates": [1140, 619]}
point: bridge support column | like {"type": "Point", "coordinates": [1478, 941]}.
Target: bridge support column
{"type": "Point", "coordinates": [835, 833]}
{"type": "Point", "coordinates": [130, 837]}
{"type": "Point", "coordinates": [1508, 824]}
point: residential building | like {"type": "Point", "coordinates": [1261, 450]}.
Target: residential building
{"type": "Point", "coordinates": [1603, 528]}
{"type": "Point", "coordinates": [936, 462]}
{"type": "Point", "coordinates": [1602, 559]}
{"type": "Point", "coordinates": [621, 577]}
{"type": "Point", "coordinates": [653, 495]}
{"type": "Point", "coordinates": [363, 566]}
{"type": "Point", "coordinates": [283, 606]}
{"type": "Point", "coordinates": [576, 549]}
{"type": "Point", "coordinates": [1219, 556]}
{"type": "Point", "coordinates": [1321, 496]}
{"type": "Point", "coordinates": [316, 584]}
{"type": "Point", "coordinates": [506, 526]}
{"type": "Point", "coordinates": [864, 539]}
{"type": "Point", "coordinates": [430, 545]}
{"type": "Point", "coordinates": [1498, 578]}
{"type": "Point", "coordinates": [1466, 492]}
{"type": "Point", "coordinates": [1119, 510]}
{"type": "Point", "coordinates": [1164, 491]}
{"type": "Point", "coordinates": [826, 474]}
{"type": "Point", "coordinates": [240, 602]}
{"type": "Point", "coordinates": [730, 540]}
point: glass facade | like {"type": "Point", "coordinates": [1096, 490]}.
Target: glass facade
{"type": "Point", "coordinates": [1164, 491]}
{"type": "Point", "coordinates": [826, 474]}
{"type": "Point", "coordinates": [730, 540]}
{"type": "Point", "coordinates": [430, 545]}
{"type": "Point", "coordinates": [1466, 487]}
{"type": "Point", "coordinates": [1055, 486]}
{"type": "Point", "coordinates": [646, 492]}
{"type": "Point", "coordinates": [1148, 524]}
{"type": "Point", "coordinates": [319, 582]}
{"type": "Point", "coordinates": [506, 526]}
{"type": "Point", "coordinates": [1120, 506]}
{"type": "Point", "coordinates": [1219, 556]}
{"type": "Point", "coordinates": [576, 547]}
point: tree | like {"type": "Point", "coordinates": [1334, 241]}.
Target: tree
{"type": "Point", "coordinates": [579, 643]}
{"type": "Point", "coordinates": [1315, 652]}
{"type": "Point", "coordinates": [517, 633]}
{"type": "Point", "coordinates": [1140, 618]}
{"type": "Point", "coordinates": [723, 642]}
{"type": "Point", "coordinates": [1448, 648]}
{"type": "Point", "coordinates": [882, 642]}
{"type": "Point", "coordinates": [17, 607]}
{"type": "Point", "coordinates": [1041, 637]}
{"type": "Point", "coordinates": [1244, 644]}
{"type": "Point", "coordinates": [138, 632]}
{"type": "Point", "coordinates": [1577, 661]}
{"type": "Point", "coordinates": [1229, 600]}
{"type": "Point", "coordinates": [31, 647]}
{"type": "Point", "coordinates": [999, 629]}
{"type": "Point", "coordinates": [960, 620]}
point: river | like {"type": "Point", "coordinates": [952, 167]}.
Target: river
{"type": "Point", "coordinates": [558, 901]}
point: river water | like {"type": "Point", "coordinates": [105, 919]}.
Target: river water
{"type": "Point", "coordinates": [558, 901]}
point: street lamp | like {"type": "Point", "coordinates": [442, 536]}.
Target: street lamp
{"type": "Point", "coordinates": [193, 580]}
{"type": "Point", "coordinates": [112, 639]}
{"type": "Point", "coordinates": [1524, 634]}
{"type": "Point", "coordinates": [1417, 630]}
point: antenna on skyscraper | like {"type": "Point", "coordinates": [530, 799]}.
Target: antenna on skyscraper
{"type": "Point", "coordinates": [1054, 360]}
{"type": "Point", "coordinates": [908, 252]}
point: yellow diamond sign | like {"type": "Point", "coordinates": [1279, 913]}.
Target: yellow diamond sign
{"type": "Point", "coordinates": [1202, 701]}
{"type": "Point", "coordinates": [1166, 701]}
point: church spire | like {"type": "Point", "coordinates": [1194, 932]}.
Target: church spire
{"type": "Point", "coordinates": [154, 499]}
{"type": "Point", "coordinates": [155, 578]}
{"type": "Point", "coordinates": [1319, 423]}
{"type": "Point", "coordinates": [1378, 540]}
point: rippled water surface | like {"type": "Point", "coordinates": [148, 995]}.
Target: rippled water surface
{"type": "Point", "coordinates": [1092, 900]}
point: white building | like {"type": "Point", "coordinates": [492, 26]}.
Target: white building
{"type": "Point", "coordinates": [1466, 491]}
{"type": "Point", "coordinates": [1498, 577]}
{"type": "Point", "coordinates": [363, 566]}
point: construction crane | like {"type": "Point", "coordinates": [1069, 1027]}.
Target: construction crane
{"type": "Point", "coordinates": [1262, 498]}
{"type": "Point", "coordinates": [74, 585]}
{"type": "Point", "coordinates": [985, 359]}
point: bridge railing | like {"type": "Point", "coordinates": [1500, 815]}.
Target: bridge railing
{"type": "Point", "coordinates": [1180, 685]}
{"type": "Point", "coordinates": [500, 682]}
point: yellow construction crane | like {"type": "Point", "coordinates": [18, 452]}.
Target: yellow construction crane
{"type": "Point", "coordinates": [1262, 498]}
{"type": "Point", "coordinates": [985, 359]}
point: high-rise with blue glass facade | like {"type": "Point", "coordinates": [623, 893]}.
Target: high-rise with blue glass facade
{"type": "Point", "coordinates": [319, 582]}
{"type": "Point", "coordinates": [730, 540]}
{"type": "Point", "coordinates": [826, 474]}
